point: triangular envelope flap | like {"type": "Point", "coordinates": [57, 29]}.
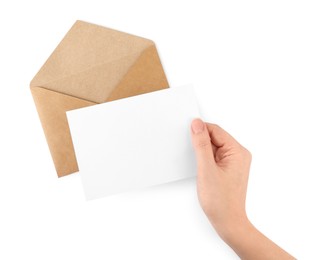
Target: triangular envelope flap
{"type": "Point", "coordinates": [86, 46]}
{"type": "Point", "coordinates": [145, 75]}
{"type": "Point", "coordinates": [52, 107]}
{"type": "Point", "coordinates": [95, 84]}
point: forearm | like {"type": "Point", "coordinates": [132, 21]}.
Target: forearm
{"type": "Point", "coordinates": [250, 244]}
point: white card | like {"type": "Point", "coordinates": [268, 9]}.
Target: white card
{"type": "Point", "coordinates": [135, 142]}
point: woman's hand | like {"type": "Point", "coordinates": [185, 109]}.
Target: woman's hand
{"type": "Point", "coordinates": [223, 170]}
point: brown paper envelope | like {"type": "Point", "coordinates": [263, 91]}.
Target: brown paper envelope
{"type": "Point", "coordinates": [91, 65]}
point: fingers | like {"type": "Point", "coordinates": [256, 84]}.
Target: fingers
{"type": "Point", "coordinates": [202, 143]}
{"type": "Point", "coordinates": [220, 137]}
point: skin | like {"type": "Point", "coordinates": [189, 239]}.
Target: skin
{"type": "Point", "coordinates": [223, 170]}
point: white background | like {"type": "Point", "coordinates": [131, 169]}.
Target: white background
{"type": "Point", "coordinates": [250, 63]}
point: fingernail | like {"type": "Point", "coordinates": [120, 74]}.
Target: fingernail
{"type": "Point", "coordinates": [197, 126]}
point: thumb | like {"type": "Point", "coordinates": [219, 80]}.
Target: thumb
{"type": "Point", "coordinates": [201, 141]}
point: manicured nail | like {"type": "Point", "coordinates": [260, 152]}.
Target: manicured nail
{"type": "Point", "coordinates": [197, 126]}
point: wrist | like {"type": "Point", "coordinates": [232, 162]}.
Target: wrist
{"type": "Point", "coordinates": [235, 228]}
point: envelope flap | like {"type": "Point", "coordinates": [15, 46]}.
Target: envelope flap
{"type": "Point", "coordinates": [84, 47]}
{"type": "Point", "coordinates": [96, 83]}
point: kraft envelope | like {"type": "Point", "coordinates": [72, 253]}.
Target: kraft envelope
{"type": "Point", "coordinates": [135, 142]}
{"type": "Point", "coordinates": [91, 65]}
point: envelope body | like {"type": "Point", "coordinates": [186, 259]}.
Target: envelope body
{"type": "Point", "coordinates": [91, 65]}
